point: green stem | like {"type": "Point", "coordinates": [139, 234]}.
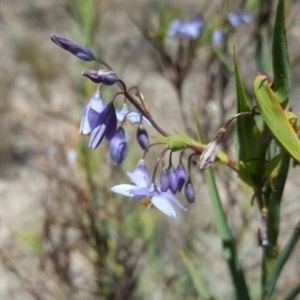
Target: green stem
{"type": "Point", "coordinates": [282, 259]}
{"type": "Point", "coordinates": [229, 251]}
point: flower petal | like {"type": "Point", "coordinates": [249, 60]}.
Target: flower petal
{"type": "Point", "coordinates": [164, 205]}
{"type": "Point", "coordinates": [172, 198]}
{"type": "Point", "coordinates": [138, 180]}
{"type": "Point", "coordinates": [123, 189]}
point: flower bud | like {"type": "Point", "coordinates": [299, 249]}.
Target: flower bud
{"type": "Point", "coordinates": [118, 147]}
{"type": "Point", "coordinates": [105, 77]}
{"type": "Point", "coordinates": [181, 176]}
{"type": "Point", "coordinates": [142, 137]}
{"type": "Point", "coordinates": [165, 179]}
{"type": "Point", "coordinates": [174, 181]}
{"type": "Point", "coordinates": [189, 192]}
{"type": "Point", "coordinates": [81, 52]}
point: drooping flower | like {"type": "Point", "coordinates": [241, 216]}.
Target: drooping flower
{"type": "Point", "coordinates": [173, 180]}
{"type": "Point", "coordinates": [189, 192]}
{"type": "Point", "coordinates": [106, 122]}
{"type": "Point", "coordinates": [140, 189]}
{"type": "Point", "coordinates": [181, 176]}
{"type": "Point", "coordinates": [217, 37]}
{"type": "Point", "coordinates": [237, 18]}
{"type": "Point", "coordinates": [81, 52]}
{"type": "Point", "coordinates": [118, 146]}
{"type": "Point", "coordinates": [165, 179]}
{"type": "Point", "coordinates": [142, 137]}
{"type": "Point", "coordinates": [90, 114]}
{"type": "Point", "coordinates": [133, 116]}
{"type": "Point", "coordinates": [105, 77]}
{"type": "Point", "coordinates": [189, 29]}
{"type": "Point", "coordinates": [141, 170]}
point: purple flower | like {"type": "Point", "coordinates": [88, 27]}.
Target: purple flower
{"type": "Point", "coordinates": [189, 29]}
{"type": "Point", "coordinates": [134, 117]}
{"type": "Point", "coordinates": [106, 125]}
{"type": "Point", "coordinates": [189, 192]}
{"type": "Point", "coordinates": [181, 176]}
{"type": "Point", "coordinates": [81, 52]}
{"type": "Point", "coordinates": [165, 179]}
{"type": "Point", "coordinates": [90, 114]}
{"type": "Point", "coordinates": [217, 37]}
{"type": "Point", "coordinates": [141, 170]}
{"type": "Point", "coordinates": [142, 137]}
{"type": "Point", "coordinates": [237, 18]}
{"type": "Point", "coordinates": [118, 147]}
{"type": "Point", "coordinates": [140, 189]}
{"type": "Point", "coordinates": [105, 77]}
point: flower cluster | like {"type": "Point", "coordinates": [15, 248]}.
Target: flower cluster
{"type": "Point", "coordinates": [102, 121]}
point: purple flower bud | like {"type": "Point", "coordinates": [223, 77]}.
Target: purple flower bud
{"type": "Point", "coordinates": [237, 18]}
{"type": "Point", "coordinates": [174, 181]}
{"type": "Point", "coordinates": [102, 76]}
{"type": "Point", "coordinates": [165, 179]}
{"type": "Point", "coordinates": [217, 37]}
{"type": "Point", "coordinates": [106, 126]}
{"type": "Point", "coordinates": [81, 52]}
{"type": "Point", "coordinates": [189, 192]}
{"type": "Point", "coordinates": [90, 114]}
{"type": "Point", "coordinates": [142, 137]}
{"type": "Point", "coordinates": [118, 147]}
{"type": "Point", "coordinates": [181, 176]}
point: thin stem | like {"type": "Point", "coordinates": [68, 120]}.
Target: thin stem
{"type": "Point", "coordinates": [157, 163]}
{"type": "Point", "coordinates": [146, 150]}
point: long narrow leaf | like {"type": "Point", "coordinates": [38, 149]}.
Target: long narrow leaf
{"type": "Point", "coordinates": [280, 57]}
{"type": "Point", "coordinates": [198, 284]}
{"type": "Point", "coordinates": [250, 151]}
{"type": "Point", "coordinates": [274, 116]}
{"type": "Point", "coordinates": [282, 259]}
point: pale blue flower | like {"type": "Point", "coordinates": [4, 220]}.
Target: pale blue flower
{"type": "Point", "coordinates": [140, 189]}
{"type": "Point", "coordinates": [189, 29]}
{"type": "Point", "coordinates": [133, 116]}
{"type": "Point", "coordinates": [237, 18]}
{"type": "Point", "coordinates": [217, 37]}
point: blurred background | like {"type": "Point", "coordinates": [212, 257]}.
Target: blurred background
{"type": "Point", "coordinates": [63, 233]}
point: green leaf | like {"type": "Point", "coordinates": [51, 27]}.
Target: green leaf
{"type": "Point", "coordinates": [280, 57]}
{"type": "Point", "coordinates": [250, 151]}
{"type": "Point", "coordinates": [198, 284]}
{"type": "Point", "coordinates": [274, 116]}
{"type": "Point", "coordinates": [272, 170]}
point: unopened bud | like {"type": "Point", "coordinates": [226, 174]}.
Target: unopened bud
{"type": "Point", "coordinates": [189, 192]}
{"type": "Point", "coordinates": [142, 137]}
{"type": "Point", "coordinates": [165, 179]}
{"type": "Point", "coordinates": [105, 77]}
{"type": "Point", "coordinates": [81, 52]}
